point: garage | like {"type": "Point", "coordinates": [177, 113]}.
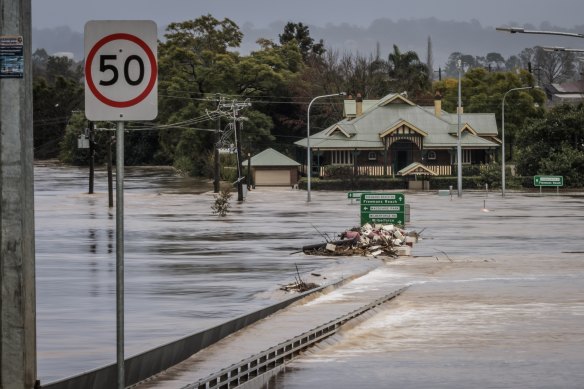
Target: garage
{"type": "Point", "coordinates": [276, 177]}
{"type": "Point", "coordinates": [271, 168]}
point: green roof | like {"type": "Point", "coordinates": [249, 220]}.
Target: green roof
{"type": "Point", "coordinates": [270, 157]}
{"type": "Point", "coordinates": [364, 131]}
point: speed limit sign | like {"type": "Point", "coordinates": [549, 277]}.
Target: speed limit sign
{"type": "Point", "coordinates": [121, 70]}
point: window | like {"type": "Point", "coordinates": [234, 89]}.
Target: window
{"type": "Point", "coordinates": [372, 156]}
{"type": "Point", "coordinates": [431, 155]}
{"type": "Point", "coordinates": [341, 157]}
{"type": "Point", "coordinates": [466, 156]}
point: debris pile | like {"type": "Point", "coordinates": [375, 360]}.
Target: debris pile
{"type": "Point", "coordinates": [370, 241]}
{"type": "Point", "coordinates": [299, 285]}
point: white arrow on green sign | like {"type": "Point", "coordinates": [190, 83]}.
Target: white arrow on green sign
{"type": "Point", "coordinates": [382, 208]}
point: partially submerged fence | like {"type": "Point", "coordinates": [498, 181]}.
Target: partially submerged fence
{"type": "Point", "coordinates": [274, 358]}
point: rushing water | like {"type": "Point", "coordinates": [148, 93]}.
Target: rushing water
{"type": "Point", "coordinates": [496, 298]}
{"type": "Point", "coordinates": [185, 268]}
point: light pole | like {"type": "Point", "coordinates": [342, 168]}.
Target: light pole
{"type": "Point", "coordinates": [557, 48]}
{"type": "Point", "coordinates": [521, 30]}
{"type": "Point", "coordinates": [503, 135]}
{"type": "Point", "coordinates": [458, 143]}
{"type": "Point", "coordinates": [309, 157]}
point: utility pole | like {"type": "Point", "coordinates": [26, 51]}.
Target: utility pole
{"type": "Point", "coordinates": [17, 256]}
{"type": "Point", "coordinates": [235, 107]}
{"type": "Point", "coordinates": [217, 162]}
{"type": "Point", "coordinates": [238, 148]}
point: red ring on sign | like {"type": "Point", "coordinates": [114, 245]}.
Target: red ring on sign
{"type": "Point", "coordinates": [153, 70]}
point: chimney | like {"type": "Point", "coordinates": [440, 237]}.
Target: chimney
{"type": "Point", "coordinates": [358, 105]}
{"type": "Point", "coordinates": [438, 104]}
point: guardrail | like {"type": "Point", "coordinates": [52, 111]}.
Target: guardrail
{"type": "Point", "coordinates": [273, 358]}
{"type": "Point", "coordinates": [149, 363]}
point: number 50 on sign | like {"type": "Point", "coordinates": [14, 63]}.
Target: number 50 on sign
{"type": "Point", "coordinates": [121, 70]}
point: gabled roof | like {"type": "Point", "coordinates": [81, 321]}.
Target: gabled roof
{"type": "Point", "coordinates": [399, 124]}
{"type": "Point", "coordinates": [395, 110]}
{"type": "Point", "coordinates": [416, 168]}
{"type": "Point", "coordinates": [394, 98]}
{"type": "Point", "coordinates": [346, 130]}
{"type": "Point", "coordinates": [270, 157]}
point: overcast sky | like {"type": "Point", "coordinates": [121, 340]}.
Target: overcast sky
{"type": "Point", "coordinates": [74, 13]}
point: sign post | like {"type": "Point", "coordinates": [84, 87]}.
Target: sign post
{"type": "Point", "coordinates": [556, 181]}
{"type": "Point", "coordinates": [121, 78]}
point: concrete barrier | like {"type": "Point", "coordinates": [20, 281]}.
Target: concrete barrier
{"type": "Point", "coordinates": [147, 364]}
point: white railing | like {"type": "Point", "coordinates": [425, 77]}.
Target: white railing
{"type": "Point", "coordinates": [378, 171]}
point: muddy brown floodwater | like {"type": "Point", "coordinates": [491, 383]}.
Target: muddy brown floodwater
{"type": "Point", "coordinates": [496, 298]}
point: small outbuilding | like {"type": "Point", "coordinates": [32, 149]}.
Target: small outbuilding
{"type": "Point", "coordinates": [271, 168]}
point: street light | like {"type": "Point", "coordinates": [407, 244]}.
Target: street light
{"type": "Point", "coordinates": [503, 134]}
{"type": "Point", "coordinates": [458, 143]}
{"type": "Point", "coordinates": [309, 157]}
{"type": "Point", "coordinates": [557, 48]}
{"type": "Point", "coordinates": [521, 30]}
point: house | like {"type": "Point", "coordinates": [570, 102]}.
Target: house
{"type": "Point", "coordinates": [383, 137]}
{"type": "Point", "coordinates": [566, 93]}
{"type": "Point", "coordinates": [271, 168]}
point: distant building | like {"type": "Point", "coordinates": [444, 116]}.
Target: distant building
{"type": "Point", "coordinates": [565, 93]}
{"type": "Point", "coordinates": [382, 137]}
{"type": "Point", "coordinates": [271, 168]}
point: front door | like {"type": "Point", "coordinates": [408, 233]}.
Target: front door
{"type": "Point", "coordinates": [402, 159]}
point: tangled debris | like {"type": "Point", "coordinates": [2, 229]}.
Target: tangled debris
{"type": "Point", "coordinates": [299, 285]}
{"type": "Point", "coordinates": [370, 241]}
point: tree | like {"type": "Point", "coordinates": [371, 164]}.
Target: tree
{"type": "Point", "coordinates": [407, 73]}
{"type": "Point", "coordinates": [300, 35]}
{"type": "Point", "coordinates": [554, 144]}
{"type": "Point", "coordinates": [513, 63]}
{"type": "Point", "coordinates": [553, 67]}
{"type": "Point", "coordinates": [495, 61]}
{"type": "Point", "coordinates": [482, 91]}
{"type": "Point", "coordinates": [57, 92]}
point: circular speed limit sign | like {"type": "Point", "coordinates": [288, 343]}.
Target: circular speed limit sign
{"type": "Point", "coordinates": [121, 70]}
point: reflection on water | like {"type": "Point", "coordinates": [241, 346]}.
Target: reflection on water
{"type": "Point", "coordinates": [492, 295]}
{"type": "Point", "coordinates": [185, 268]}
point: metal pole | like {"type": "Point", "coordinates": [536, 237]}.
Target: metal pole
{"type": "Point", "coordinates": [120, 253]}
{"type": "Point", "coordinates": [110, 186]}
{"type": "Point", "coordinates": [458, 144]}
{"type": "Point", "coordinates": [308, 162]}
{"type": "Point", "coordinates": [503, 146]}
{"type": "Point", "coordinates": [91, 157]}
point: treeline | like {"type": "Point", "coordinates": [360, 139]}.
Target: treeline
{"type": "Point", "coordinates": [199, 67]}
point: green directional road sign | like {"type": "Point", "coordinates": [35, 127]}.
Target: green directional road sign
{"type": "Point", "coordinates": [383, 208]}
{"type": "Point", "coordinates": [383, 198]}
{"type": "Point", "coordinates": [548, 180]}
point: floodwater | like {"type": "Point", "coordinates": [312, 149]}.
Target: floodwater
{"type": "Point", "coordinates": [185, 268]}
{"type": "Point", "coordinates": [496, 298]}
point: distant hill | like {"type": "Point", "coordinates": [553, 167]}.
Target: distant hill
{"type": "Point", "coordinates": [411, 34]}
